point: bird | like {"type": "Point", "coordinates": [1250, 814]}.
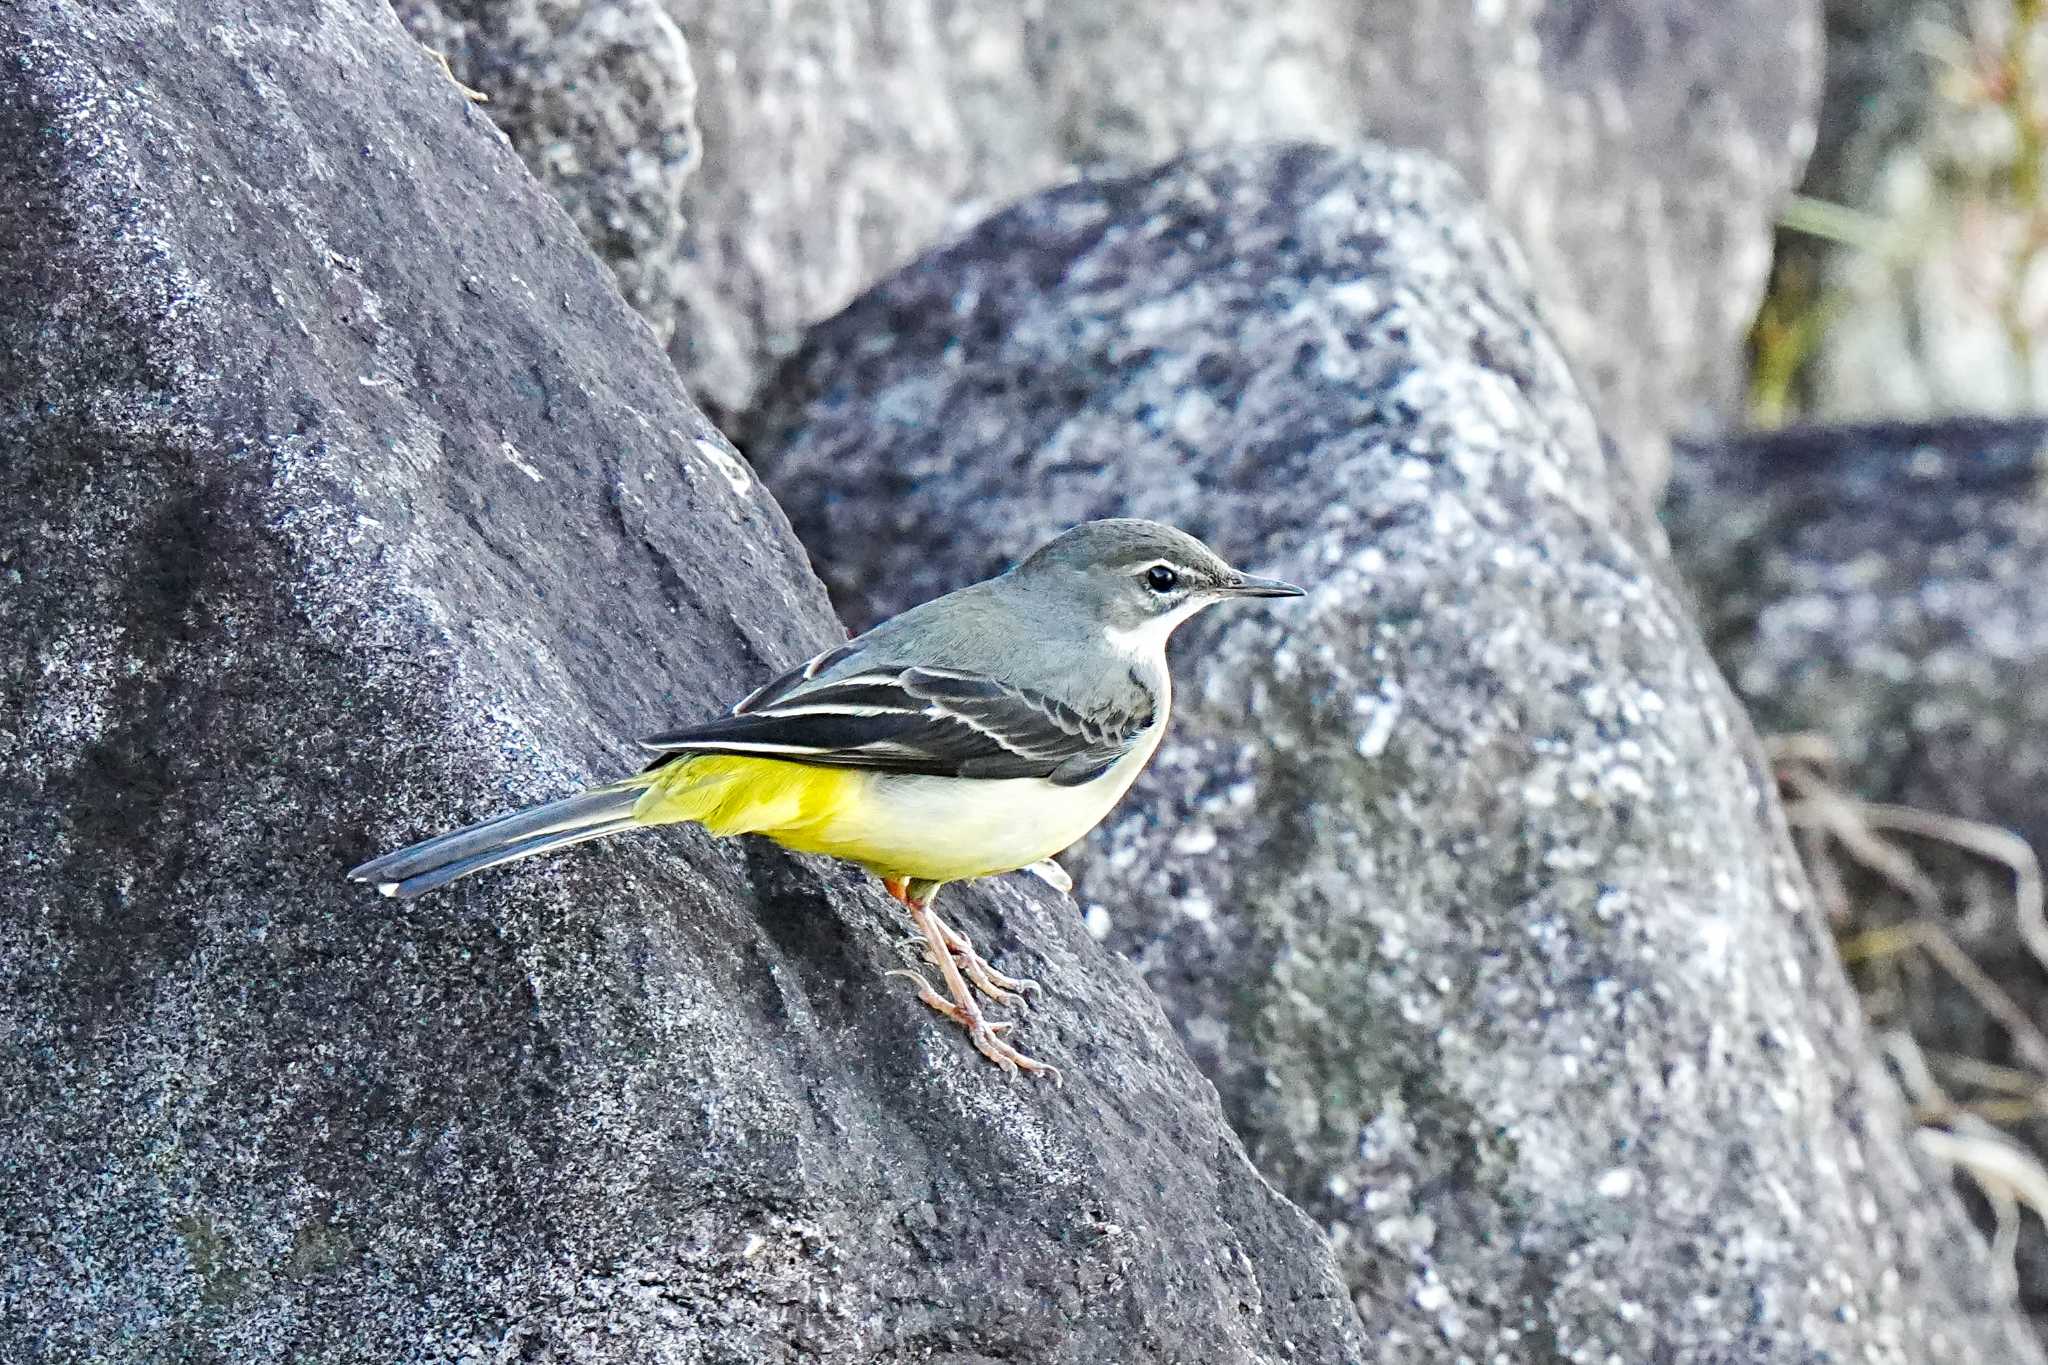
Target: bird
{"type": "Point", "coordinates": [974, 734]}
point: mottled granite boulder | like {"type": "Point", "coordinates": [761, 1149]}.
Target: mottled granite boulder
{"type": "Point", "coordinates": [1462, 880]}
{"type": "Point", "coordinates": [1886, 587]}
{"type": "Point", "coordinates": [1638, 148]}
{"type": "Point", "coordinates": [347, 500]}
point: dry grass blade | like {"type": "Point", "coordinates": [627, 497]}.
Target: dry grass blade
{"type": "Point", "coordinates": [1826, 808]}
{"type": "Point", "coordinates": [1820, 811]}
{"type": "Point", "coordinates": [1931, 938]}
{"type": "Point", "coordinates": [2008, 1175]}
{"type": "Point", "coordinates": [1986, 841]}
{"type": "Point", "coordinates": [2006, 1080]}
{"type": "Point", "coordinates": [2027, 1038]}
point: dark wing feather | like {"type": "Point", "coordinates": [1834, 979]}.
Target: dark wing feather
{"type": "Point", "coordinates": [909, 719]}
{"type": "Point", "coordinates": [776, 688]}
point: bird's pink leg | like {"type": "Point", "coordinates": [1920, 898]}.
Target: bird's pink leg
{"type": "Point", "coordinates": [962, 1009]}
{"type": "Point", "coordinates": [996, 985]}
{"type": "Point", "coordinates": [1004, 990]}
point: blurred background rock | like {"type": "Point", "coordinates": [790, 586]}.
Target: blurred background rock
{"type": "Point", "coordinates": [1912, 272]}
{"type": "Point", "coordinates": [1871, 575]}
{"type": "Point", "coordinates": [1635, 147]}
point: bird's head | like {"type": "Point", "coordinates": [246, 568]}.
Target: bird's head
{"type": "Point", "coordinates": [1139, 579]}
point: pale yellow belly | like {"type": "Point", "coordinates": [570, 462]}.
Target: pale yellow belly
{"type": "Point", "coordinates": [939, 829]}
{"type": "Point", "coordinates": [949, 829]}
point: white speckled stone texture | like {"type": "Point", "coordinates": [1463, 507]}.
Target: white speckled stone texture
{"type": "Point", "coordinates": [1461, 877]}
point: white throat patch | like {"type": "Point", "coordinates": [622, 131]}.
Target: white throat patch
{"type": "Point", "coordinates": [1147, 640]}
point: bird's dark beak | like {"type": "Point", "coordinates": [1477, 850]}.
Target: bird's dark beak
{"type": "Point", "coordinates": [1245, 585]}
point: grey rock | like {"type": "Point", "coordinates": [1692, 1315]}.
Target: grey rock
{"type": "Point", "coordinates": [1881, 586]}
{"type": "Point", "coordinates": [1909, 298]}
{"type": "Point", "coordinates": [1637, 148]}
{"type": "Point", "coordinates": [1877, 89]}
{"type": "Point", "coordinates": [1462, 880]}
{"type": "Point", "coordinates": [600, 100]}
{"type": "Point", "coordinates": [347, 500]}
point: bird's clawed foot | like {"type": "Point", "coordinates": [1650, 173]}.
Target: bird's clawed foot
{"type": "Point", "coordinates": [958, 964]}
{"type": "Point", "coordinates": [1004, 990]}
{"type": "Point", "coordinates": [986, 1034]}
{"type": "Point", "coordinates": [980, 973]}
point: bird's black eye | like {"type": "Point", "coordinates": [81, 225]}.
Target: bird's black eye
{"type": "Point", "coordinates": [1159, 578]}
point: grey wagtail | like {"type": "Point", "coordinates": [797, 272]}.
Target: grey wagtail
{"type": "Point", "coordinates": [978, 733]}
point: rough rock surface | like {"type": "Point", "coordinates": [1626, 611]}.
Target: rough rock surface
{"type": "Point", "coordinates": [1882, 586]}
{"type": "Point", "coordinates": [1637, 149]}
{"type": "Point", "coordinates": [1462, 880]}
{"type": "Point", "coordinates": [347, 500]}
{"type": "Point", "coordinates": [600, 100]}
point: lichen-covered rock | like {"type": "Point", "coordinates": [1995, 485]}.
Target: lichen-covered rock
{"type": "Point", "coordinates": [346, 500]}
{"type": "Point", "coordinates": [1463, 881]}
{"type": "Point", "coordinates": [1883, 587]}
{"type": "Point", "coordinates": [1637, 148]}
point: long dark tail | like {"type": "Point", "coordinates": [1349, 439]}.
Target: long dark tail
{"type": "Point", "coordinates": [448, 857]}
